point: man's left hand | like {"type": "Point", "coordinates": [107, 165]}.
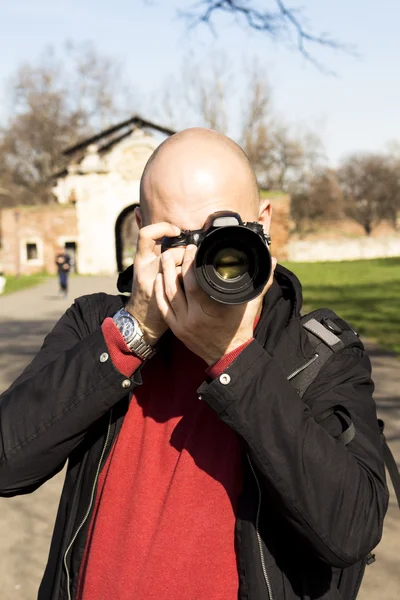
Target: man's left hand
{"type": "Point", "coordinates": [208, 328]}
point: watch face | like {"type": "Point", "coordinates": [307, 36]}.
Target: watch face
{"type": "Point", "coordinates": [126, 327]}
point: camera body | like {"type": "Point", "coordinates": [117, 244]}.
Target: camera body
{"type": "Point", "coordinates": [232, 262]}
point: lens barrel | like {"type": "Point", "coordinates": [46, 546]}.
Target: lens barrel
{"type": "Point", "coordinates": [233, 264]}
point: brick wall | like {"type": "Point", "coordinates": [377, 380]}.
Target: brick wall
{"type": "Point", "coordinates": [30, 235]}
{"type": "Point", "coordinates": [280, 226]}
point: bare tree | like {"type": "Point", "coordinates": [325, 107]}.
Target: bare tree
{"type": "Point", "coordinates": [199, 94]}
{"type": "Point", "coordinates": [371, 189]}
{"type": "Point", "coordinates": [279, 22]}
{"type": "Point", "coordinates": [55, 102]}
{"type": "Point", "coordinates": [206, 88]}
{"type": "Point", "coordinates": [96, 88]}
{"type": "Point", "coordinates": [316, 200]}
{"type": "Point", "coordinates": [164, 106]}
{"type": "Point", "coordinates": [280, 158]}
{"type": "Point", "coordinates": [293, 158]}
{"type": "Point", "coordinates": [393, 157]}
{"type": "Point", "coordinates": [204, 94]}
{"type": "Point", "coordinates": [257, 123]}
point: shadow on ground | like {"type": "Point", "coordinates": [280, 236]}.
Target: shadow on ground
{"type": "Point", "coordinates": [14, 355]}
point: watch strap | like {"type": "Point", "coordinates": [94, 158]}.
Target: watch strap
{"type": "Point", "coordinates": [137, 344]}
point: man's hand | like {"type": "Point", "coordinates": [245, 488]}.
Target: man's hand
{"type": "Point", "coordinates": [206, 327]}
{"type": "Point", "coordinates": [142, 303]}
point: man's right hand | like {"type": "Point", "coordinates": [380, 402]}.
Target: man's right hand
{"type": "Point", "coordinates": [142, 304]}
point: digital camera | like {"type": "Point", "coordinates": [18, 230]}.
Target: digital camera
{"type": "Point", "coordinates": [232, 261]}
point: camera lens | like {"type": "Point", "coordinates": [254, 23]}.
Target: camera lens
{"type": "Point", "coordinates": [230, 263]}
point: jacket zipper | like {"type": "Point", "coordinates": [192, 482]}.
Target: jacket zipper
{"type": "Point", "coordinates": [260, 547]}
{"type": "Point", "coordinates": [89, 507]}
{"type": "Point", "coordinates": [300, 369]}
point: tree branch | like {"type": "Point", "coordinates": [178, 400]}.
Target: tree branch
{"type": "Point", "coordinates": [280, 23]}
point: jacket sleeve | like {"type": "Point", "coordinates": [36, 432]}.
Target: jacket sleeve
{"type": "Point", "coordinates": [46, 412]}
{"type": "Point", "coordinates": [334, 496]}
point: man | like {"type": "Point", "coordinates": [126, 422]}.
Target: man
{"type": "Point", "coordinates": [63, 263]}
{"type": "Point", "coordinates": [197, 471]}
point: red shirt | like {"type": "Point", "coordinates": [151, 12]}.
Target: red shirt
{"type": "Point", "coordinates": [164, 518]}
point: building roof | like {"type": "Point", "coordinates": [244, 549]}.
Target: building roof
{"type": "Point", "coordinates": [114, 134]}
{"type": "Point", "coordinates": [106, 139]}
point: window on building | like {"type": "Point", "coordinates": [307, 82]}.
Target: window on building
{"type": "Point", "coordinates": [32, 251]}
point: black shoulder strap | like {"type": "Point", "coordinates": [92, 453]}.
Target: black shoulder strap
{"type": "Point", "coordinates": [390, 462]}
{"type": "Point", "coordinates": [328, 334]}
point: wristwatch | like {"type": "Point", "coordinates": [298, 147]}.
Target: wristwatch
{"type": "Point", "coordinates": [132, 334]}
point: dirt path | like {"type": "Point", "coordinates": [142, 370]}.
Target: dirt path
{"type": "Point", "coordinates": [26, 522]}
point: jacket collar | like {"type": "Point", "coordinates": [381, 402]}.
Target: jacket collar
{"type": "Point", "coordinates": [281, 303]}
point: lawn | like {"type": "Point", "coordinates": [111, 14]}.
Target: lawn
{"type": "Point", "coordinates": [365, 293]}
{"type": "Point", "coordinates": [13, 283]}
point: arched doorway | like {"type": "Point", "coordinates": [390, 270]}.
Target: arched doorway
{"type": "Point", "coordinates": [126, 233]}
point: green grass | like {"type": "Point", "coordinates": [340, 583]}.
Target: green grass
{"type": "Point", "coordinates": [271, 193]}
{"type": "Point", "coordinates": [365, 293]}
{"type": "Point", "coordinates": [14, 284]}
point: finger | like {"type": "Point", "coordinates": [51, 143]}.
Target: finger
{"type": "Point", "coordinates": [177, 255]}
{"type": "Point", "coordinates": [179, 277]}
{"type": "Point", "coordinates": [188, 271]}
{"type": "Point", "coordinates": [188, 258]}
{"type": "Point", "coordinates": [162, 301]}
{"type": "Point", "coordinates": [172, 288]}
{"type": "Point", "coordinates": [149, 235]}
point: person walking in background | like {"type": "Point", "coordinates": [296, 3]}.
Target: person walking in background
{"type": "Point", "coordinates": [63, 262]}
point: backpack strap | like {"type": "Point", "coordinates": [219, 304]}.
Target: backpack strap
{"type": "Point", "coordinates": [343, 414]}
{"type": "Point", "coordinates": [390, 462]}
{"type": "Point", "coordinates": [328, 334]}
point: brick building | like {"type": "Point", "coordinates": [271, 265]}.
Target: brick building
{"type": "Point", "coordinates": [30, 236]}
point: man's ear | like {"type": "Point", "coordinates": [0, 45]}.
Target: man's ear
{"type": "Point", "coordinates": [264, 214]}
{"type": "Point", "coordinates": [138, 217]}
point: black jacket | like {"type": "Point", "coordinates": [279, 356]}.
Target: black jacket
{"type": "Point", "coordinates": [311, 508]}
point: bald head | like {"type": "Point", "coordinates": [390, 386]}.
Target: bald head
{"type": "Point", "coordinates": [193, 174]}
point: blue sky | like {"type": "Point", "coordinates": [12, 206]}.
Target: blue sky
{"type": "Point", "coordinates": [358, 109]}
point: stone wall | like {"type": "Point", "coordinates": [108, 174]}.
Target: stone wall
{"type": "Point", "coordinates": [30, 236]}
{"type": "Point", "coordinates": [342, 248]}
